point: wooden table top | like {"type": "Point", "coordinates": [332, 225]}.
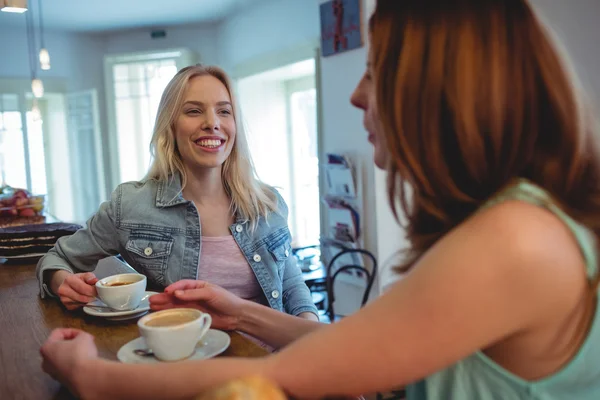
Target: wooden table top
{"type": "Point", "coordinates": [26, 322]}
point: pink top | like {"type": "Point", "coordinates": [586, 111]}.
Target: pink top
{"type": "Point", "coordinates": [223, 263]}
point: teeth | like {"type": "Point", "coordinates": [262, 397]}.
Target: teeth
{"type": "Point", "coordinates": [211, 143]}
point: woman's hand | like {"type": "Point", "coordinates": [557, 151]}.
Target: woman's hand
{"type": "Point", "coordinates": [224, 307]}
{"type": "Point", "coordinates": [64, 353]}
{"type": "Point", "coordinates": [74, 290]}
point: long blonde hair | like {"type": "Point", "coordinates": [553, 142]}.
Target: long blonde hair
{"type": "Point", "coordinates": [250, 198]}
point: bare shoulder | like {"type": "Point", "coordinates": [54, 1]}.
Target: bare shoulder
{"type": "Point", "coordinates": [529, 232]}
{"type": "Point", "coordinates": [535, 250]}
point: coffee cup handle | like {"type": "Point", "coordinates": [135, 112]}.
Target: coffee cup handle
{"type": "Point", "coordinates": [206, 322]}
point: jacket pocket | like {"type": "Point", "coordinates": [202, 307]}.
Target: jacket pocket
{"type": "Point", "coordinates": [281, 250]}
{"type": "Point", "coordinates": [151, 254]}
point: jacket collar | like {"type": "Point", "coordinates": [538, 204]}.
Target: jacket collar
{"type": "Point", "coordinates": [169, 192]}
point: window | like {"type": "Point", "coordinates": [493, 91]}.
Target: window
{"type": "Point", "coordinates": [302, 105]}
{"type": "Point", "coordinates": [22, 158]}
{"type": "Point", "coordinates": [12, 149]}
{"type": "Point", "coordinates": [279, 108]}
{"type": "Point", "coordinates": [59, 155]}
{"type": "Point", "coordinates": [37, 159]}
{"type": "Point", "coordinates": [136, 85]}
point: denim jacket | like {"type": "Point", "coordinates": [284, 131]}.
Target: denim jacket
{"type": "Point", "coordinates": [158, 233]}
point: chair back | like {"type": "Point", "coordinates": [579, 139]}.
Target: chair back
{"type": "Point", "coordinates": [330, 279]}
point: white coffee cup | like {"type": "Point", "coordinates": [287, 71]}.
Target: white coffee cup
{"type": "Point", "coordinates": [122, 292]}
{"type": "Point", "coordinates": [173, 334]}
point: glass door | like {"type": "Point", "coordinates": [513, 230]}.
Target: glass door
{"type": "Point", "coordinates": [22, 151]}
{"type": "Point", "coordinates": [12, 144]}
{"type": "Point", "coordinates": [138, 88]}
{"type": "Point", "coordinates": [304, 157]}
{"type": "Point", "coordinates": [36, 153]}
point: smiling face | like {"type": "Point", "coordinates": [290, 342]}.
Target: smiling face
{"type": "Point", "coordinates": [205, 126]}
{"type": "Point", "coordinates": [364, 99]}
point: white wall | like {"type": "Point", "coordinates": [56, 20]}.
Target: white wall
{"type": "Point", "coordinates": [391, 238]}
{"type": "Point", "coordinates": [15, 59]}
{"type": "Point", "coordinates": [575, 24]}
{"type": "Point", "coordinates": [75, 57]}
{"type": "Point", "coordinates": [201, 39]}
{"type": "Point", "coordinates": [268, 28]}
{"type": "Point", "coordinates": [343, 131]}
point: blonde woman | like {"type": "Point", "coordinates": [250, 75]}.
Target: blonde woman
{"type": "Point", "coordinates": [199, 214]}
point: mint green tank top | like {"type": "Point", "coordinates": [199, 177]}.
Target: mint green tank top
{"type": "Point", "coordinates": [479, 378]}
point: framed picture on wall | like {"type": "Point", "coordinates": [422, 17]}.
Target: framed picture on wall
{"type": "Point", "coordinates": [341, 28]}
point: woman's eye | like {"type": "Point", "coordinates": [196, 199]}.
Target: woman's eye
{"type": "Point", "coordinates": [194, 111]}
{"type": "Point", "coordinates": [226, 112]}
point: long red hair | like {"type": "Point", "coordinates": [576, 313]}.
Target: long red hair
{"type": "Point", "coordinates": [471, 95]}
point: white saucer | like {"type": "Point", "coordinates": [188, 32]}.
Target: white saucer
{"type": "Point", "coordinates": [142, 309]}
{"type": "Point", "coordinates": [128, 317]}
{"type": "Point", "coordinates": [212, 344]}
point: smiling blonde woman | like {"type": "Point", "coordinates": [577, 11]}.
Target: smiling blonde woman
{"type": "Point", "coordinates": [200, 213]}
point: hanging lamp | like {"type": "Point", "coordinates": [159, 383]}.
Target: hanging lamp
{"type": "Point", "coordinates": [37, 86]}
{"type": "Point", "coordinates": [44, 55]}
{"type": "Point", "coordinates": [36, 114]}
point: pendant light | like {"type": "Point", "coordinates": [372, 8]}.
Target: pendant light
{"type": "Point", "coordinates": [37, 87]}
{"type": "Point", "coordinates": [44, 55]}
{"type": "Point", "coordinates": [36, 114]}
{"type": "Point", "coordinates": [44, 59]}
